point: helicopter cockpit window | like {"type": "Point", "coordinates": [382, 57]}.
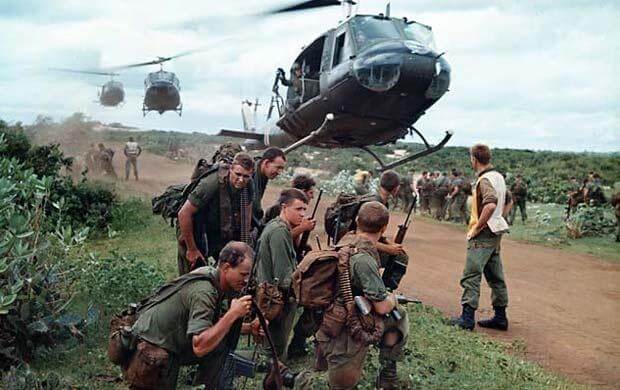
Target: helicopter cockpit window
{"type": "Point", "coordinates": [368, 29]}
{"type": "Point", "coordinates": [163, 76]}
{"type": "Point", "coordinates": [421, 34]}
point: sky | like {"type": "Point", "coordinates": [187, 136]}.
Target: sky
{"type": "Point", "coordinates": [528, 74]}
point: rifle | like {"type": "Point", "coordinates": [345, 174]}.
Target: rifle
{"type": "Point", "coordinates": [402, 228]}
{"type": "Point", "coordinates": [303, 242]}
{"type": "Point", "coordinates": [402, 300]}
{"type": "Point", "coordinates": [229, 369]}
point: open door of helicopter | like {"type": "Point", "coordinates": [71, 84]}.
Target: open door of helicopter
{"type": "Point", "coordinates": [304, 82]}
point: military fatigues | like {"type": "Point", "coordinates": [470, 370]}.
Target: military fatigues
{"type": "Point", "coordinates": [458, 204]}
{"type": "Point", "coordinates": [395, 266]}
{"type": "Point", "coordinates": [105, 162]}
{"type": "Point", "coordinates": [344, 354]}
{"type": "Point", "coordinates": [275, 263]}
{"type": "Point", "coordinates": [519, 196]}
{"type": "Point", "coordinates": [483, 257]}
{"type": "Point", "coordinates": [438, 197]}
{"type": "Point", "coordinates": [596, 197]}
{"type": "Point", "coordinates": [405, 193]}
{"type": "Point", "coordinates": [423, 186]}
{"type": "Point", "coordinates": [259, 182]}
{"type": "Point", "coordinates": [171, 324]}
{"type": "Point", "coordinates": [132, 151]}
{"type": "Point", "coordinates": [212, 196]}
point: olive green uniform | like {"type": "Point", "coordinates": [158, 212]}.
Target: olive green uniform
{"type": "Point", "coordinates": [483, 257]}
{"type": "Point", "coordinates": [596, 197]}
{"type": "Point", "coordinates": [208, 233]}
{"type": "Point", "coordinates": [519, 196]}
{"type": "Point", "coordinates": [392, 274]}
{"type": "Point", "coordinates": [275, 263]}
{"type": "Point", "coordinates": [438, 197]}
{"type": "Point", "coordinates": [171, 324]}
{"type": "Point", "coordinates": [458, 204]}
{"type": "Point", "coordinates": [259, 182]}
{"type": "Point", "coordinates": [423, 185]}
{"type": "Point", "coordinates": [344, 354]}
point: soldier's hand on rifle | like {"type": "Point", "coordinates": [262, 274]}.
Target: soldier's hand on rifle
{"type": "Point", "coordinates": [307, 224]}
{"type": "Point", "coordinates": [257, 331]}
{"type": "Point", "coordinates": [394, 249]}
{"type": "Point", "coordinates": [193, 255]}
{"type": "Point", "coordinates": [241, 306]}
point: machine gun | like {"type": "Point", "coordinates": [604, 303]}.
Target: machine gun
{"type": "Point", "coordinates": [303, 242]}
{"type": "Point", "coordinates": [402, 228]}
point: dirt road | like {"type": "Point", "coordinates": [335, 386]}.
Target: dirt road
{"type": "Point", "coordinates": [565, 307]}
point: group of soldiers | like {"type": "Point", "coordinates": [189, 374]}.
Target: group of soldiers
{"type": "Point", "coordinates": [99, 159]}
{"type": "Point", "coordinates": [227, 242]}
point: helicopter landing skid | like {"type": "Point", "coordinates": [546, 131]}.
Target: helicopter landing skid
{"type": "Point", "coordinates": [428, 149]}
{"type": "Point", "coordinates": [318, 133]}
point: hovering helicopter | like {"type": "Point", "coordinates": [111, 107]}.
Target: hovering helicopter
{"type": "Point", "coordinates": [364, 82]}
{"type": "Point", "coordinates": [161, 88]}
{"type": "Point", "coordinates": [111, 93]}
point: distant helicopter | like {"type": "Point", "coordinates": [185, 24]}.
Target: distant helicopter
{"type": "Point", "coordinates": [362, 83]}
{"type": "Point", "coordinates": [111, 93]}
{"type": "Point", "coordinates": [161, 88]}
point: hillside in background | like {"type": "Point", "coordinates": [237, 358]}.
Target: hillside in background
{"type": "Point", "coordinates": [547, 172]}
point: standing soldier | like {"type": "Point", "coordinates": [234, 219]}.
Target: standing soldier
{"type": "Point", "coordinates": [519, 194]}
{"type": "Point", "coordinates": [92, 159]}
{"type": "Point", "coordinates": [593, 193]}
{"type": "Point", "coordinates": [393, 257]}
{"type": "Point", "coordinates": [132, 152]}
{"type": "Point", "coordinates": [615, 202]}
{"type": "Point", "coordinates": [486, 227]}
{"type": "Point", "coordinates": [186, 322]}
{"type": "Point", "coordinates": [344, 348]}
{"type": "Point", "coordinates": [361, 180]}
{"type": "Point", "coordinates": [405, 192]}
{"type": "Point", "coordinates": [276, 261]}
{"type": "Point", "coordinates": [105, 160]}
{"type": "Point", "coordinates": [269, 167]}
{"type": "Point", "coordinates": [438, 199]}
{"type": "Point", "coordinates": [458, 203]}
{"type": "Point", "coordinates": [423, 187]}
{"type": "Point", "coordinates": [217, 211]}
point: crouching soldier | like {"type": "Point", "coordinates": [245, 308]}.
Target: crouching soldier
{"type": "Point", "coordinates": [186, 322]}
{"type": "Point", "coordinates": [347, 331]}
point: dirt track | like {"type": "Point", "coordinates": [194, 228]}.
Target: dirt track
{"type": "Point", "coordinates": [564, 306]}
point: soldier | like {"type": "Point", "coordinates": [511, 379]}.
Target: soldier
{"type": "Point", "coordinates": [269, 167]}
{"type": "Point", "coordinates": [593, 192]}
{"type": "Point", "coordinates": [132, 152]}
{"type": "Point", "coordinates": [486, 227]}
{"type": "Point", "coordinates": [276, 261]}
{"type": "Point", "coordinates": [342, 348]}
{"type": "Point", "coordinates": [218, 209]}
{"type": "Point", "coordinates": [361, 180]}
{"type": "Point", "coordinates": [105, 160]}
{"type": "Point", "coordinates": [394, 259]}
{"type": "Point", "coordinates": [615, 202]}
{"type": "Point", "coordinates": [405, 193]}
{"type": "Point", "coordinates": [424, 187]}
{"type": "Point", "coordinates": [186, 322]}
{"type": "Point", "coordinates": [458, 199]}
{"type": "Point", "coordinates": [92, 159]}
{"type": "Point", "coordinates": [438, 198]}
{"type": "Point", "coordinates": [519, 194]}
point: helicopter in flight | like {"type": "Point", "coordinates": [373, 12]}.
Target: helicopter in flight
{"type": "Point", "coordinates": [364, 82]}
{"type": "Point", "coordinates": [111, 93]}
{"type": "Point", "coordinates": [161, 88]}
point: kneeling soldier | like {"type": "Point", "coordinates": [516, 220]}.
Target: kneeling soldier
{"type": "Point", "coordinates": [342, 342]}
{"type": "Point", "coordinates": [186, 323]}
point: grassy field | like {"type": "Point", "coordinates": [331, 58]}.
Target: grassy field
{"type": "Point", "coordinates": [437, 356]}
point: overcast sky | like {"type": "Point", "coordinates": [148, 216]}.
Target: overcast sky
{"type": "Point", "coordinates": [525, 74]}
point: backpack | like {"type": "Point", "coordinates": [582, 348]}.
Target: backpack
{"type": "Point", "coordinates": [315, 280]}
{"type": "Point", "coordinates": [343, 213]}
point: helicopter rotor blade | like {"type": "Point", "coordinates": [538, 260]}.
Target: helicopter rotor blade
{"type": "Point", "coordinates": [82, 71]}
{"type": "Point", "coordinates": [161, 60]}
{"type": "Point", "coordinates": [310, 4]}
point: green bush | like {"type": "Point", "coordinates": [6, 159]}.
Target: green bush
{"type": "Point", "coordinates": [130, 215]}
{"type": "Point", "coordinates": [590, 221]}
{"type": "Point", "coordinates": [111, 282]}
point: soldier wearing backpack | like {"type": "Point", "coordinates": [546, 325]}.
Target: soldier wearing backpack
{"type": "Point", "coordinates": [519, 195]}
{"type": "Point", "coordinates": [346, 333]}
{"type": "Point", "coordinates": [217, 210]}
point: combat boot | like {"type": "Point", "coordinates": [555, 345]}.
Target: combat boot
{"type": "Point", "coordinates": [499, 320]}
{"type": "Point", "coordinates": [466, 320]}
{"type": "Point", "coordinates": [388, 376]}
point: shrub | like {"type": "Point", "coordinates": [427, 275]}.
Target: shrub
{"type": "Point", "coordinates": [589, 221]}
{"type": "Point", "coordinates": [113, 281]}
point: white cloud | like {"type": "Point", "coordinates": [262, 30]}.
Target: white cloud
{"type": "Point", "coordinates": [530, 74]}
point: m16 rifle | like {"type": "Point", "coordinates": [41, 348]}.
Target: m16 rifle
{"type": "Point", "coordinates": [402, 228]}
{"type": "Point", "coordinates": [303, 242]}
{"type": "Point", "coordinates": [395, 270]}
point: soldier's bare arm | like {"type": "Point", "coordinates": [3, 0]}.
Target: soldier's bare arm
{"type": "Point", "coordinates": [385, 306]}
{"type": "Point", "coordinates": [186, 224]}
{"type": "Point", "coordinates": [209, 339]}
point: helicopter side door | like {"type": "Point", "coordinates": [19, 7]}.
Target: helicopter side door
{"type": "Point", "coordinates": [337, 57]}
{"type": "Point", "coordinates": [326, 63]}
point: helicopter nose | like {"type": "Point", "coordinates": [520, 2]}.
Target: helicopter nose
{"type": "Point", "coordinates": [417, 73]}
